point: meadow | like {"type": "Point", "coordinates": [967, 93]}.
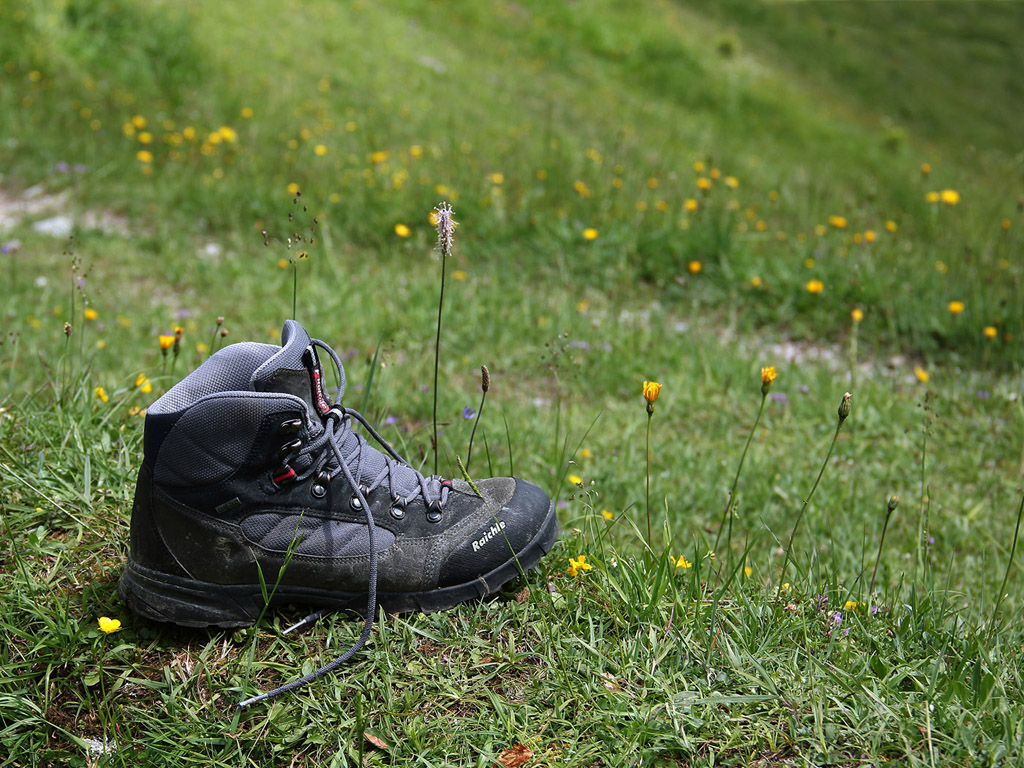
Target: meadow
{"type": "Point", "coordinates": [680, 192]}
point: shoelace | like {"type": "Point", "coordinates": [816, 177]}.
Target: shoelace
{"type": "Point", "coordinates": [327, 445]}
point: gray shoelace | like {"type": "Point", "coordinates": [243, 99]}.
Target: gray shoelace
{"type": "Point", "coordinates": [337, 423]}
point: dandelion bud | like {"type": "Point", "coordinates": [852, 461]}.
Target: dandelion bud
{"type": "Point", "coordinates": [894, 501]}
{"type": "Point", "coordinates": [651, 390]}
{"type": "Point", "coordinates": [67, 329]}
{"type": "Point", "coordinates": [485, 378]}
{"type": "Point", "coordinates": [768, 375]}
{"type": "Point", "coordinates": [844, 407]}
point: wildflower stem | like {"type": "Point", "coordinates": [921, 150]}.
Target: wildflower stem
{"type": "Point", "coordinates": [736, 480]}
{"type": "Point", "coordinates": [890, 508]}
{"type": "Point", "coordinates": [295, 287]}
{"type": "Point", "coordinates": [1006, 576]}
{"type": "Point", "coordinates": [472, 434]}
{"type": "Point", "coordinates": [445, 236]}
{"type": "Point", "coordinates": [649, 415]}
{"type": "Point", "coordinates": [803, 507]}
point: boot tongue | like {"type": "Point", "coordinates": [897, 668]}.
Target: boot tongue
{"type": "Point", "coordinates": [295, 370]}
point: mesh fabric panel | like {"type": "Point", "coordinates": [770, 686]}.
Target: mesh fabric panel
{"type": "Point", "coordinates": [228, 370]}
{"type": "Point", "coordinates": [316, 537]}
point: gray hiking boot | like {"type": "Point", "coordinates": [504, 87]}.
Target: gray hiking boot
{"type": "Point", "coordinates": [251, 475]}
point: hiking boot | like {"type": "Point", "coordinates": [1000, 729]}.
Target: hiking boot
{"type": "Point", "coordinates": [255, 488]}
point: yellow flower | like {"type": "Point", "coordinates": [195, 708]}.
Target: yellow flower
{"type": "Point", "coordinates": [378, 157]}
{"type": "Point", "coordinates": [991, 332]}
{"type": "Point", "coordinates": [731, 182]}
{"type": "Point", "coordinates": [850, 605]}
{"type": "Point", "coordinates": [703, 184]}
{"type": "Point", "coordinates": [857, 315]}
{"type": "Point", "coordinates": [956, 307]}
{"type": "Point", "coordinates": [747, 570]}
{"type": "Point", "coordinates": [680, 562]}
{"type": "Point", "coordinates": [925, 169]}
{"type": "Point", "coordinates": [870, 236]}
{"type": "Point", "coordinates": [922, 374]}
{"type": "Point", "coordinates": [652, 183]}
{"type": "Point", "coordinates": [246, 113]}
{"type": "Point", "coordinates": [768, 376]}
{"type": "Point", "coordinates": [931, 197]}
{"type": "Point", "coordinates": [581, 188]}
{"type": "Point", "coordinates": [416, 151]}
{"type": "Point", "coordinates": [109, 625]}
{"type": "Point", "coordinates": [590, 233]}
{"type": "Point", "coordinates": [582, 305]}
{"type": "Point", "coordinates": [586, 453]}
{"type": "Point", "coordinates": [839, 222]}
{"type": "Point", "coordinates": [227, 133]}
{"type": "Point", "coordinates": [320, 150]}
{"type": "Point", "coordinates": [786, 588]}
{"type": "Point", "coordinates": [497, 179]}
{"type": "Point", "coordinates": [606, 514]}
{"type": "Point", "coordinates": [143, 383]}
{"type": "Point", "coordinates": [460, 275]}
{"type": "Point", "coordinates": [165, 342]}
{"type": "Point", "coordinates": [402, 231]}
{"type": "Point", "coordinates": [691, 205]}
{"type": "Point", "coordinates": [145, 137]}
{"type": "Point", "coordinates": [651, 391]}
{"type": "Point", "coordinates": [815, 286]}
{"type": "Point", "coordinates": [756, 282]}
{"type": "Point", "coordinates": [101, 394]}
{"type": "Point", "coordinates": [293, 188]}
{"type": "Point", "coordinates": [578, 565]}
{"type": "Point", "coordinates": [694, 267]}
{"type": "Point", "coordinates": [188, 132]}
{"type": "Point", "coordinates": [890, 226]}
{"type": "Point", "coordinates": [698, 167]}
{"type": "Point", "coordinates": [950, 196]}
{"type": "Point", "coordinates": [715, 173]}
{"type": "Point", "coordinates": [139, 122]}
{"type": "Point", "coordinates": [90, 313]}
{"type": "Point", "coordinates": [144, 156]}
{"type": "Point", "coordinates": [575, 479]}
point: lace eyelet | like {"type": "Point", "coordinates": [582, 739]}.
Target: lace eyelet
{"type": "Point", "coordinates": [289, 427]}
{"type": "Point", "coordinates": [434, 512]}
{"type": "Point", "coordinates": [289, 448]}
{"type": "Point", "coordinates": [355, 503]}
{"type": "Point", "coordinates": [318, 490]}
{"type": "Point", "coordinates": [398, 512]}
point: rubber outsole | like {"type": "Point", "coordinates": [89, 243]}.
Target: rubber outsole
{"type": "Point", "coordinates": [189, 603]}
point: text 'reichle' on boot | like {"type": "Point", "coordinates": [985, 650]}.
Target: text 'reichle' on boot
{"type": "Point", "coordinates": [252, 474]}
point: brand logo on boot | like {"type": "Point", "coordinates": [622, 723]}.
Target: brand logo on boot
{"type": "Point", "coordinates": [316, 375]}
{"type": "Point", "coordinates": [493, 531]}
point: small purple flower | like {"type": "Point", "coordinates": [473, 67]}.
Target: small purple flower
{"type": "Point", "coordinates": [468, 412]}
{"type": "Point", "coordinates": [780, 397]}
{"type": "Point", "coordinates": [837, 618]}
{"type": "Point", "coordinates": [563, 504]}
{"type": "Point", "coordinates": [183, 313]}
{"type": "Point", "coordinates": [984, 394]}
{"type": "Point", "coordinates": [80, 282]}
{"type": "Point", "coordinates": [804, 389]}
{"type": "Point", "coordinates": [931, 539]}
{"type": "Point", "coordinates": [63, 167]}
{"type": "Point", "coordinates": [874, 610]}
{"type": "Point", "coordinates": [606, 347]}
{"type": "Point", "coordinates": [846, 632]}
{"type": "Point", "coordinates": [424, 388]}
{"type": "Point", "coordinates": [390, 420]}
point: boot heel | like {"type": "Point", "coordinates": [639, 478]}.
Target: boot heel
{"type": "Point", "coordinates": [185, 602]}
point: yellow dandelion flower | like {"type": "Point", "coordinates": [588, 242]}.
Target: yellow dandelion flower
{"type": "Point", "coordinates": [990, 332]}
{"type": "Point", "coordinates": [579, 565]}
{"type": "Point", "coordinates": [820, 230]}
{"type": "Point", "coordinates": [694, 267]}
{"type": "Point", "coordinates": [698, 167]}
{"type": "Point", "coordinates": [747, 570]}
{"type": "Point", "coordinates": [870, 236]}
{"type": "Point", "coordinates": [378, 157]}
{"type": "Point", "coordinates": [143, 383]}
{"type": "Point", "coordinates": [651, 390]}
{"type": "Point", "coordinates": [857, 315]}
{"type": "Point", "coordinates": [460, 275]}
{"type": "Point", "coordinates": [402, 230]}
{"type": "Point", "coordinates": [731, 182]}
{"type": "Point", "coordinates": [926, 169]}
{"type": "Point", "coordinates": [582, 305]}
{"type": "Point", "coordinates": [320, 150]}
{"type": "Point", "coordinates": [949, 196]}
{"type": "Point", "coordinates": [838, 222]}
{"type": "Point", "coordinates": [144, 156]}
{"type": "Point", "coordinates": [575, 479]}
{"type": "Point", "coordinates": [703, 183]}
{"type": "Point", "coordinates": [691, 205]}
{"type": "Point", "coordinates": [246, 113]}
{"type": "Point", "coordinates": [931, 197]}
{"type": "Point", "coordinates": [756, 282]}
{"type": "Point", "coordinates": [586, 453]}
{"type": "Point", "coordinates": [101, 394]}
{"type": "Point", "coordinates": [921, 374]}
{"type": "Point", "coordinates": [108, 625]}
{"type": "Point", "coordinates": [581, 188]}
{"type": "Point", "coordinates": [590, 233]}
{"type": "Point", "coordinates": [890, 226]}
{"type": "Point", "coordinates": [139, 122]}
{"type": "Point", "coordinates": [768, 376]}
{"type": "Point", "coordinates": [652, 183]}
{"type": "Point", "coordinates": [956, 307]}
{"type": "Point", "coordinates": [145, 137]}
{"type": "Point", "coordinates": [497, 179]}
{"type": "Point", "coordinates": [641, 206]}
{"type": "Point", "coordinates": [282, 263]}
{"type": "Point", "coordinates": [293, 188]}
{"type": "Point", "coordinates": [90, 313]}
{"type": "Point", "coordinates": [809, 263]}
{"type": "Point", "coordinates": [815, 286]}
{"type": "Point", "coordinates": [165, 342]}
{"type": "Point", "coordinates": [416, 151]}
{"type": "Point", "coordinates": [606, 514]}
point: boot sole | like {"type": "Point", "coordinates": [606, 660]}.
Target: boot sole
{"type": "Point", "coordinates": [189, 603]}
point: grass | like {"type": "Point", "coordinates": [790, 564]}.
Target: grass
{"type": "Point", "coordinates": [505, 112]}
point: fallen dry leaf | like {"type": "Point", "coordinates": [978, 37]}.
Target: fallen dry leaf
{"type": "Point", "coordinates": [515, 757]}
{"type": "Point", "coordinates": [377, 741]}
